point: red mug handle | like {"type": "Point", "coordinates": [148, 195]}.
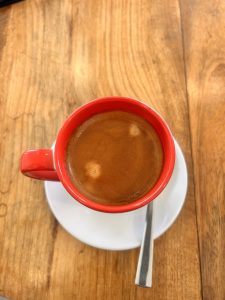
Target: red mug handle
{"type": "Point", "coordinates": [39, 164]}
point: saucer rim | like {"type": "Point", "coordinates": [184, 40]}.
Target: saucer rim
{"type": "Point", "coordinates": [133, 246]}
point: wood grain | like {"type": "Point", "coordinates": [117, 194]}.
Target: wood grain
{"type": "Point", "coordinates": [56, 55]}
{"type": "Point", "coordinates": [204, 41]}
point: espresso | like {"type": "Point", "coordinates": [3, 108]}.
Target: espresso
{"type": "Point", "coordinates": [114, 158]}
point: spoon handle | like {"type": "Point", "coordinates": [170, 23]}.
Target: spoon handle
{"type": "Point", "coordinates": [145, 261]}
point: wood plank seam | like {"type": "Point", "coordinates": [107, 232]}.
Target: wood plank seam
{"type": "Point", "coordinates": [191, 144]}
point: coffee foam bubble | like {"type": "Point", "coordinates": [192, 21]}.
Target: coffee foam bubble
{"type": "Point", "coordinates": [134, 130]}
{"type": "Point", "coordinates": [93, 169]}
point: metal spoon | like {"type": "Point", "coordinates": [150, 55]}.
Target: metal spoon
{"type": "Point", "coordinates": [144, 269]}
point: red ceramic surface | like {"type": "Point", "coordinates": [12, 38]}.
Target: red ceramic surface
{"type": "Point", "coordinates": [40, 163]}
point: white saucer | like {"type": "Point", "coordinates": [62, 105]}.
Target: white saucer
{"type": "Point", "coordinates": [124, 230]}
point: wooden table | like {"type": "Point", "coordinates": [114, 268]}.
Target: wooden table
{"type": "Point", "coordinates": [56, 55]}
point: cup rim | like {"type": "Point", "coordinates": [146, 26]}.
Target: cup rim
{"type": "Point", "coordinates": [59, 159]}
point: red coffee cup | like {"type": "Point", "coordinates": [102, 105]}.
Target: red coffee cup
{"type": "Point", "coordinates": [50, 164]}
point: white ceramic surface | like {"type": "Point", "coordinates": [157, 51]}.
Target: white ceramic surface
{"type": "Point", "coordinates": [124, 230]}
